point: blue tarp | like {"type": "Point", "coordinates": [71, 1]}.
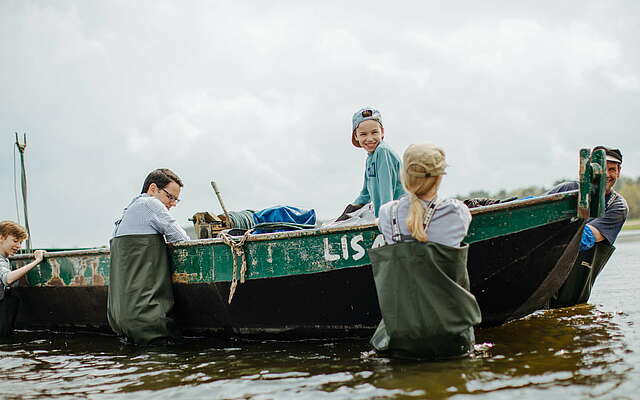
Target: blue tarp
{"type": "Point", "coordinates": [287, 214]}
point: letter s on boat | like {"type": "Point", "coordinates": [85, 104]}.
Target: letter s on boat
{"type": "Point", "coordinates": [355, 244]}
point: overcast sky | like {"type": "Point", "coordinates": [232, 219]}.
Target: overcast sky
{"type": "Point", "coordinates": [259, 96]}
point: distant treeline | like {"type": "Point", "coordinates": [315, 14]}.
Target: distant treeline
{"type": "Point", "coordinates": [629, 188]}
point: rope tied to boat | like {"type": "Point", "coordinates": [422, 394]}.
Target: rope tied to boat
{"type": "Point", "coordinates": [237, 250]}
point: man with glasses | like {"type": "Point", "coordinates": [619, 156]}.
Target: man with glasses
{"type": "Point", "coordinates": [148, 212]}
{"type": "Point", "coordinates": [140, 293]}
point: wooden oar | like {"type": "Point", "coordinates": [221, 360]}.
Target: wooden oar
{"type": "Point", "coordinates": [224, 209]}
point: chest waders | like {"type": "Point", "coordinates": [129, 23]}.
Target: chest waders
{"type": "Point", "coordinates": [577, 288]}
{"type": "Point", "coordinates": [140, 299]}
{"type": "Point", "coordinates": [8, 311]}
{"type": "Point", "coordinates": [423, 292]}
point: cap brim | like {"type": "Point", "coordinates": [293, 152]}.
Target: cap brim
{"type": "Point", "coordinates": [613, 159]}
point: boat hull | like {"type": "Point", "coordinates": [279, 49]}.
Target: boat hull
{"type": "Point", "coordinates": [319, 282]}
{"type": "Point", "coordinates": [511, 276]}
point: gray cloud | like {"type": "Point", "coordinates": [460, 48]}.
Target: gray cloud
{"type": "Point", "coordinates": [259, 97]}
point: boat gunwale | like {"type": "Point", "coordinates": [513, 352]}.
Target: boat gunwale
{"type": "Point", "coordinates": [310, 232]}
{"type": "Point", "coordinates": [548, 198]}
{"type": "Point", "coordinates": [323, 231]}
{"type": "Point", "coordinates": [66, 253]}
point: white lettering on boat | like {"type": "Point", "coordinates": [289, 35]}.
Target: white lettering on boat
{"type": "Point", "coordinates": [355, 244]}
{"type": "Point", "coordinates": [269, 254]}
{"type": "Point", "coordinates": [327, 251]}
{"type": "Point", "coordinates": [345, 248]}
{"type": "Point", "coordinates": [378, 242]}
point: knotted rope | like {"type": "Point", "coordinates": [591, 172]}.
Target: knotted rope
{"type": "Point", "coordinates": [236, 251]}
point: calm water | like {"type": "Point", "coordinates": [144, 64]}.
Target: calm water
{"type": "Point", "coordinates": [589, 351]}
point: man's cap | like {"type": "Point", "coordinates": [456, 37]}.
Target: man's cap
{"type": "Point", "coordinates": [424, 160]}
{"type": "Point", "coordinates": [361, 115]}
{"type": "Point", "coordinates": [614, 155]}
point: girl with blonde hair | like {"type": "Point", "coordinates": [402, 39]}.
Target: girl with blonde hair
{"type": "Point", "coordinates": [421, 274]}
{"type": "Point", "coordinates": [448, 219]}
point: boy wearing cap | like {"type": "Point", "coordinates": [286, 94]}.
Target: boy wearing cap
{"type": "Point", "coordinates": [607, 227]}
{"type": "Point", "coordinates": [382, 169]}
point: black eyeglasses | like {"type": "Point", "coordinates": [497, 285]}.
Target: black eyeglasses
{"type": "Point", "coordinates": [170, 196]}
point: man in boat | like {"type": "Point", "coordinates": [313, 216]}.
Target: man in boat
{"type": "Point", "coordinates": [140, 293]}
{"type": "Point", "coordinates": [606, 228]}
{"type": "Point", "coordinates": [598, 235]}
{"type": "Point", "coordinates": [11, 237]}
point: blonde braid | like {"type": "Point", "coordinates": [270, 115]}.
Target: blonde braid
{"type": "Point", "coordinates": [417, 186]}
{"type": "Point", "coordinates": [416, 219]}
{"type": "Point", "coordinates": [423, 167]}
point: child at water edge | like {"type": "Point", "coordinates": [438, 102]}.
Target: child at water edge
{"type": "Point", "coordinates": [382, 169]}
{"type": "Point", "coordinates": [421, 274]}
{"type": "Point", "coordinates": [11, 237]}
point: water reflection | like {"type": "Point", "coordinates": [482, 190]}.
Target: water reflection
{"type": "Point", "coordinates": [578, 350]}
{"type": "Point", "coordinates": [579, 346]}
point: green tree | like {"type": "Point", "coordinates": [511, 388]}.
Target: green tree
{"type": "Point", "coordinates": [629, 188]}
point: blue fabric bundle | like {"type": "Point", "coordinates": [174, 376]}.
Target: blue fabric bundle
{"type": "Point", "coordinates": [286, 214]}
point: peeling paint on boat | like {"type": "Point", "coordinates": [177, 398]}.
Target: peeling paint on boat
{"type": "Point", "coordinates": [292, 253]}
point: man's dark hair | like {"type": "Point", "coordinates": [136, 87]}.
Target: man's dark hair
{"type": "Point", "coordinates": [161, 177]}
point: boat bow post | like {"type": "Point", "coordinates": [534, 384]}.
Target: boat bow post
{"type": "Point", "coordinates": [593, 183]}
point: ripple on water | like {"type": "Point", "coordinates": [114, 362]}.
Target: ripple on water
{"type": "Point", "coordinates": [585, 351]}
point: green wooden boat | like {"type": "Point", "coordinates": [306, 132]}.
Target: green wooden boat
{"type": "Point", "coordinates": [318, 282]}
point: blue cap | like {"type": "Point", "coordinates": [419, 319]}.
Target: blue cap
{"type": "Point", "coordinates": [361, 115]}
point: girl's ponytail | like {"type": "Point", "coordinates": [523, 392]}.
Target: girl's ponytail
{"type": "Point", "coordinates": [416, 218]}
{"type": "Point", "coordinates": [423, 167]}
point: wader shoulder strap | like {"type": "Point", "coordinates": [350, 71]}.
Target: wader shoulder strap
{"type": "Point", "coordinates": [430, 209]}
{"type": "Point", "coordinates": [395, 228]}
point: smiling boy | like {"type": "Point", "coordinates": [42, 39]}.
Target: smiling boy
{"type": "Point", "coordinates": [382, 170]}
{"type": "Point", "coordinates": [11, 237]}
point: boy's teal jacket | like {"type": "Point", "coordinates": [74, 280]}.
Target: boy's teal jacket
{"type": "Point", "coordinates": [381, 178]}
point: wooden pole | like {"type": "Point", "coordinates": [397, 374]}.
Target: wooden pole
{"type": "Point", "coordinates": [23, 175]}
{"type": "Point", "coordinates": [224, 209]}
